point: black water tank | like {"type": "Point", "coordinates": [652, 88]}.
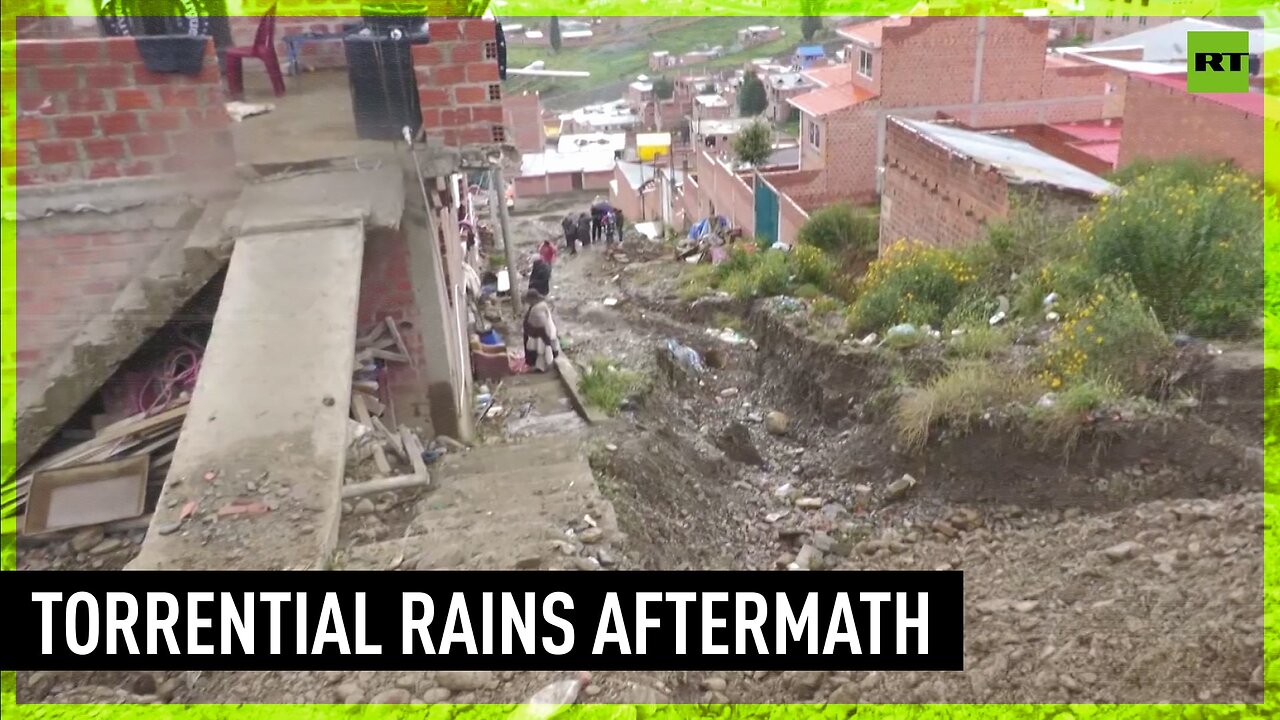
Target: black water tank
{"type": "Point", "coordinates": [381, 17]}
{"type": "Point", "coordinates": [384, 89]}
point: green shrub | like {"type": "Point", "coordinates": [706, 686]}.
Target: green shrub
{"type": "Point", "coordinates": [841, 229]}
{"type": "Point", "coordinates": [749, 275]}
{"type": "Point", "coordinates": [1190, 239]}
{"type": "Point", "coordinates": [980, 341]}
{"type": "Point", "coordinates": [808, 292]}
{"type": "Point", "coordinates": [824, 305]}
{"type": "Point", "coordinates": [813, 266]}
{"type": "Point", "coordinates": [605, 386]}
{"type": "Point", "coordinates": [909, 283]}
{"type": "Point", "coordinates": [1111, 338]}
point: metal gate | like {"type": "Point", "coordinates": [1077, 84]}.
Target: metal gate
{"type": "Point", "coordinates": [766, 211]}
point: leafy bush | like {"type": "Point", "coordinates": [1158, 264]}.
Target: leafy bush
{"type": "Point", "coordinates": [841, 229]}
{"type": "Point", "coordinates": [824, 305]}
{"type": "Point", "coordinates": [807, 292]}
{"type": "Point", "coordinates": [909, 283]}
{"type": "Point", "coordinates": [813, 266]}
{"type": "Point", "coordinates": [1190, 241]}
{"type": "Point", "coordinates": [754, 274]}
{"type": "Point", "coordinates": [1112, 338]}
{"type": "Point", "coordinates": [980, 341]}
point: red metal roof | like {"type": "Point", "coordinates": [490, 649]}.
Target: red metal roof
{"type": "Point", "coordinates": [1250, 102]}
{"type": "Point", "coordinates": [1092, 131]}
{"type": "Point", "coordinates": [1108, 152]}
{"type": "Point", "coordinates": [831, 99]}
{"type": "Point", "coordinates": [830, 75]}
{"type": "Point", "coordinates": [871, 32]}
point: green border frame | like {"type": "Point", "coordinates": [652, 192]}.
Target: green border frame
{"type": "Point", "coordinates": [1270, 707]}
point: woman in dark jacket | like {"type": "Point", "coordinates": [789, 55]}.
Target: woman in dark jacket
{"type": "Point", "coordinates": [540, 277]}
{"type": "Point", "coordinates": [584, 229]}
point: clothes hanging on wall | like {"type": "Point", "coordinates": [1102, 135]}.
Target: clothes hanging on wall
{"type": "Point", "coordinates": [501, 39]}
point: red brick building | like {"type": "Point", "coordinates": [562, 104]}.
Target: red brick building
{"type": "Point", "coordinates": [943, 185]}
{"type": "Point", "coordinates": [983, 71]}
{"type": "Point", "coordinates": [522, 118]}
{"type": "Point", "coordinates": [1162, 120]}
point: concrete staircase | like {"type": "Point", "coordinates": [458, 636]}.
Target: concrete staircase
{"type": "Point", "coordinates": [51, 397]}
{"type": "Point", "coordinates": [518, 506]}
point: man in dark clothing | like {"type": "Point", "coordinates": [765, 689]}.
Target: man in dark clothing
{"type": "Point", "coordinates": [584, 229]}
{"type": "Point", "coordinates": [540, 277]}
{"type": "Point", "coordinates": [570, 227]}
{"type": "Point", "coordinates": [597, 223]}
{"type": "Point", "coordinates": [617, 220]}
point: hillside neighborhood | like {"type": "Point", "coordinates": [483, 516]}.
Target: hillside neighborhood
{"type": "Point", "coordinates": [402, 293]}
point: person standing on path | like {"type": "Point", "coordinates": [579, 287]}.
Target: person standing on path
{"type": "Point", "coordinates": [540, 277]}
{"type": "Point", "coordinates": [610, 235]}
{"type": "Point", "coordinates": [584, 229]}
{"type": "Point", "coordinates": [570, 227]}
{"type": "Point", "coordinates": [547, 251]}
{"type": "Point", "coordinates": [541, 342]}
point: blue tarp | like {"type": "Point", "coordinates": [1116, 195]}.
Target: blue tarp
{"type": "Point", "coordinates": [810, 51]}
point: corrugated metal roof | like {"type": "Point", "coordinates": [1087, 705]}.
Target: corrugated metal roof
{"type": "Point", "coordinates": [1166, 43]}
{"type": "Point", "coordinates": [1018, 161]}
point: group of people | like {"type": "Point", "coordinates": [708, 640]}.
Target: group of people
{"type": "Point", "coordinates": [602, 223]}
{"type": "Point", "coordinates": [541, 341]}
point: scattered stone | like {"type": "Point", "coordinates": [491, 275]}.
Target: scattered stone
{"type": "Point", "coordinates": [729, 392]}
{"type": "Point", "coordinates": [944, 528]}
{"type": "Point", "coordinates": [436, 695]}
{"type": "Point", "coordinates": [108, 545]}
{"type": "Point", "coordinates": [774, 517]}
{"type": "Point", "coordinates": [1025, 606]}
{"type": "Point", "coordinates": [809, 558]}
{"type": "Point", "coordinates": [611, 447]}
{"type": "Point", "coordinates": [777, 423]}
{"type": "Point", "coordinates": [1121, 552]}
{"type": "Point", "coordinates": [714, 684]}
{"type": "Point", "coordinates": [805, 680]}
{"type": "Point", "coordinates": [846, 694]}
{"type": "Point", "coordinates": [735, 442]}
{"type": "Point", "coordinates": [86, 539]}
{"type": "Point", "coordinates": [529, 563]}
{"type": "Point", "coordinates": [785, 491]}
{"type": "Point", "coordinates": [592, 690]}
{"type": "Point", "coordinates": [364, 506]}
{"type": "Point", "coordinates": [823, 542]}
{"type": "Point", "coordinates": [349, 694]}
{"type": "Point", "coordinates": [394, 696]}
{"type": "Point", "coordinates": [900, 487]}
{"type": "Point", "coordinates": [809, 503]}
{"type": "Point", "coordinates": [591, 535]}
{"type": "Point", "coordinates": [463, 680]}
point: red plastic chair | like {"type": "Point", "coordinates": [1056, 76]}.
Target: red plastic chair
{"type": "Point", "coordinates": [264, 49]}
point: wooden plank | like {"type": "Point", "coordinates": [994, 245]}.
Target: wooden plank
{"type": "Point", "coordinates": [395, 333]}
{"type": "Point", "coordinates": [365, 387]}
{"type": "Point", "coordinates": [391, 484]}
{"type": "Point", "coordinates": [372, 336]}
{"type": "Point", "coordinates": [413, 447]}
{"type": "Point", "coordinates": [388, 355]}
{"type": "Point", "coordinates": [362, 414]}
{"type": "Point", "coordinates": [397, 443]}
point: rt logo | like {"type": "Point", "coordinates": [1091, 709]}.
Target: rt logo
{"type": "Point", "coordinates": [1217, 62]}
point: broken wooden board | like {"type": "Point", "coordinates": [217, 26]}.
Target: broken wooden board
{"type": "Point", "coordinates": [83, 495]}
{"type": "Point", "coordinates": [362, 415]}
{"type": "Point", "coordinates": [569, 378]}
{"type": "Point", "coordinates": [395, 333]}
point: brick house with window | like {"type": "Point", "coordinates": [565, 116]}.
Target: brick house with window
{"type": "Point", "coordinates": [983, 71]}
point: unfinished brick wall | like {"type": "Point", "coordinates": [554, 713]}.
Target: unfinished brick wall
{"type": "Point", "coordinates": [726, 193]}
{"type": "Point", "coordinates": [934, 196]}
{"type": "Point", "coordinates": [912, 56]}
{"type": "Point", "coordinates": [1162, 122]}
{"type": "Point", "coordinates": [387, 291]}
{"type": "Point", "coordinates": [64, 279]}
{"type": "Point", "coordinates": [458, 83]}
{"type": "Point", "coordinates": [89, 110]}
{"type": "Point", "coordinates": [317, 55]}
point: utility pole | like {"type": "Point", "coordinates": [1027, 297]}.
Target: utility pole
{"type": "Point", "coordinates": [500, 187]}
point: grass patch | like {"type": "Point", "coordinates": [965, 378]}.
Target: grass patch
{"type": "Point", "coordinates": [1061, 420]}
{"type": "Point", "coordinates": [956, 398]}
{"type": "Point", "coordinates": [725, 320]}
{"type": "Point", "coordinates": [605, 386]}
{"type": "Point", "coordinates": [980, 342]}
{"type": "Point", "coordinates": [824, 305]}
{"type": "Point", "coordinates": [903, 341]}
{"type": "Point", "coordinates": [696, 281]}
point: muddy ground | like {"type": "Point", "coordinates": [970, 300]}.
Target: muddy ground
{"type": "Point", "coordinates": [1130, 571]}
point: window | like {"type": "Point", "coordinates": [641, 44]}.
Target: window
{"type": "Point", "coordinates": [864, 64]}
{"type": "Point", "coordinates": [815, 133]}
{"type": "Point", "coordinates": [495, 92]}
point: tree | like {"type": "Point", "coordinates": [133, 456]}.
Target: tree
{"type": "Point", "coordinates": [812, 21]}
{"type": "Point", "coordinates": [809, 26]}
{"type": "Point", "coordinates": [752, 99]}
{"type": "Point", "coordinates": [664, 88]}
{"type": "Point", "coordinates": [754, 144]}
{"type": "Point", "coordinates": [555, 33]}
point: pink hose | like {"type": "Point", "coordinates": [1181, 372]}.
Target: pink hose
{"type": "Point", "coordinates": [179, 371]}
